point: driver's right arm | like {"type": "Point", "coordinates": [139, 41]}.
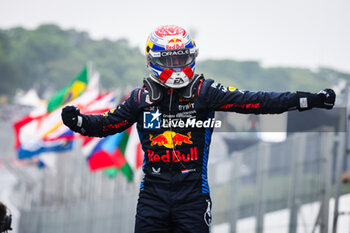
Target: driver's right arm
{"type": "Point", "coordinates": [113, 121]}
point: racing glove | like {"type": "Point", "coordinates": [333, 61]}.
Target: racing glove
{"type": "Point", "coordinates": [72, 118]}
{"type": "Point", "coordinates": [323, 99]}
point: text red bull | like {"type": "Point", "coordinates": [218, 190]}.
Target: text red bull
{"type": "Point", "coordinates": [173, 156]}
{"type": "Point", "coordinates": [175, 43]}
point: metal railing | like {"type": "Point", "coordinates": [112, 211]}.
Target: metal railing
{"type": "Point", "coordinates": [249, 183]}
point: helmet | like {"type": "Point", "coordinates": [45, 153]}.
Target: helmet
{"type": "Point", "coordinates": [171, 56]}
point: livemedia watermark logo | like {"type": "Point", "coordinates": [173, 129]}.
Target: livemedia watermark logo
{"type": "Point", "coordinates": [153, 120]}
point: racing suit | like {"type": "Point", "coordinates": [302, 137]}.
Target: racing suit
{"type": "Point", "coordinates": [174, 193]}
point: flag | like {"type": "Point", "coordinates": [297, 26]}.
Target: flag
{"type": "Point", "coordinates": [42, 131]}
{"type": "Point", "coordinates": [99, 105]}
{"type": "Point", "coordinates": [70, 92]}
{"type": "Point", "coordinates": [55, 127]}
{"type": "Point", "coordinates": [109, 153]}
{"type": "Point", "coordinates": [133, 150]}
{"type": "Point", "coordinates": [28, 139]}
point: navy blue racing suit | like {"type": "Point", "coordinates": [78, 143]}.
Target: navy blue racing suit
{"type": "Point", "coordinates": [175, 131]}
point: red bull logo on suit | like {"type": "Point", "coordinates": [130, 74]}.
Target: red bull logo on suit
{"type": "Point", "coordinates": [170, 139]}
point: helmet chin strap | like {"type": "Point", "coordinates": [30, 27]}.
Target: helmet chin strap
{"type": "Point", "coordinates": [165, 75]}
{"type": "Point", "coordinates": [188, 71]}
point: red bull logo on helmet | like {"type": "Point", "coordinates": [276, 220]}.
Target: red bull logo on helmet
{"type": "Point", "coordinates": [174, 40]}
{"type": "Point", "coordinates": [170, 139]}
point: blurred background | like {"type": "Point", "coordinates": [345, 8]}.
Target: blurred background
{"type": "Point", "coordinates": [285, 173]}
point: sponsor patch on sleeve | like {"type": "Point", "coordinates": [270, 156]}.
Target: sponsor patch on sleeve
{"type": "Point", "coordinates": [303, 102]}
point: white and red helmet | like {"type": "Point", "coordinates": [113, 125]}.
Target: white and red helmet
{"type": "Point", "coordinates": [171, 56]}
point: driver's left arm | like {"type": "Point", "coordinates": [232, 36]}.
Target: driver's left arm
{"type": "Point", "coordinates": [220, 98]}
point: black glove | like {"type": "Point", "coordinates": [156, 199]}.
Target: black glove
{"type": "Point", "coordinates": [323, 99]}
{"type": "Point", "coordinates": [72, 118]}
{"type": "Point", "coordinates": [327, 97]}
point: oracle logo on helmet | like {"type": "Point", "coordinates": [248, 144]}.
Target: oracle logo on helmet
{"type": "Point", "coordinates": [176, 53]}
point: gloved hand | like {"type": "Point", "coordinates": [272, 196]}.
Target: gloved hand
{"type": "Point", "coordinates": [324, 99]}
{"type": "Point", "coordinates": [327, 99]}
{"type": "Point", "coordinates": [72, 118]}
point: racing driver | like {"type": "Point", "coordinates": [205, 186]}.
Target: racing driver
{"type": "Point", "coordinates": [174, 112]}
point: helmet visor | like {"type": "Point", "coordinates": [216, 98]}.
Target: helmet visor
{"type": "Point", "coordinates": [173, 58]}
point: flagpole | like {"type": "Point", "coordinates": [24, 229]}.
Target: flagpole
{"type": "Point", "coordinates": [90, 69]}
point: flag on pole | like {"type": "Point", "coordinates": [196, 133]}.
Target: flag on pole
{"type": "Point", "coordinates": [109, 153]}
{"type": "Point", "coordinates": [133, 150]}
{"type": "Point", "coordinates": [42, 131]}
{"type": "Point", "coordinates": [29, 140]}
{"type": "Point", "coordinates": [70, 92]}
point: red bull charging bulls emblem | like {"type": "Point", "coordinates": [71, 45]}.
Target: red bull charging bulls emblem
{"type": "Point", "coordinates": [170, 139]}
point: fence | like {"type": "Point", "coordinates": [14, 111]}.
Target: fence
{"type": "Point", "coordinates": [269, 177]}
{"type": "Point", "coordinates": [249, 183]}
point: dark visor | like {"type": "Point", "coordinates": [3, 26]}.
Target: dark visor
{"type": "Point", "coordinates": [173, 58]}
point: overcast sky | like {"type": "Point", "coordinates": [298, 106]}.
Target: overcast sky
{"type": "Point", "coordinates": [304, 33]}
